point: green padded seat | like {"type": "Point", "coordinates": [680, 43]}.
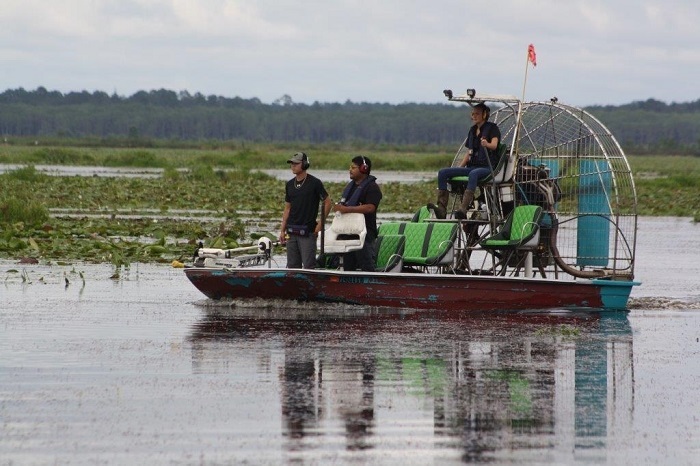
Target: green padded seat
{"type": "Point", "coordinates": [421, 214]}
{"type": "Point", "coordinates": [427, 243]}
{"type": "Point", "coordinates": [390, 250]}
{"type": "Point", "coordinates": [519, 230]}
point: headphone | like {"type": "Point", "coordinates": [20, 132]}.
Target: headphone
{"type": "Point", "coordinates": [364, 168]}
{"type": "Point", "coordinates": [305, 163]}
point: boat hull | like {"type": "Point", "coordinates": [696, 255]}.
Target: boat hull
{"type": "Point", "coordinates": [464, 293]}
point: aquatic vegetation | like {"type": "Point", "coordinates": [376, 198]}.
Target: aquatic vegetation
{"type": "Point", "coordinates": [16, 210]}
{"type": "Point", "coordinates": [116, 241]}
{"type": "Point", "coordinates": [26, 173]}
{"type": "Point", "coordinates": [125, 220]}
{"type": "Point", "coordinates": [238, 155]}
{"type": "Point", "coordinates": [18, 204]}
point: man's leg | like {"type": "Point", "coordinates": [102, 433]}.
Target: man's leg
{"type": "Point", "coordinates": [307, 245]}
{"type": "Point", "coordinates": [350, 260]}
{"type": "Point", "coordinates": [443, 196]}
{"type": "Point", "coordinates": [293, 253]}
{"type": "Point", "coordinates": [367, 257]}
{"type": "Point", "coordinates": [446, 173]}
{"type": "Point", "coordinates": [476, 175]}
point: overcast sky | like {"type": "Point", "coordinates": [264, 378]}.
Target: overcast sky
{"type": "Point", "coordinates": [395, 51]}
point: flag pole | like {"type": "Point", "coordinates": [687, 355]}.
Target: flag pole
{"type": "Point", "coordinates": [522, 100]}
{"type": "Point", "coordinates": [527, 65]}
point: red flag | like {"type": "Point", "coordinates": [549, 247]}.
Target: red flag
{"type": "Point", "coordinates": [531, 55]}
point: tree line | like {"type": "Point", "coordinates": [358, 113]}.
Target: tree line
{"type": "Point", "coordinates": [646, 126]}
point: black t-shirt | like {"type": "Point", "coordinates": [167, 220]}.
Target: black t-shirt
{"type": "Point", "coordinates": [488, 131]}
{"type": "Point", "coordinates": [304, 198]}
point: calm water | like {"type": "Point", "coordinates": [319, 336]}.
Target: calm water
{"type": "Point", "coordinates": [143, 370]}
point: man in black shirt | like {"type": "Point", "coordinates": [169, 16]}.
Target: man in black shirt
{"type": "Point", "coordinates": [362, 195]}
{"type": "Point", "coordinates": [303, 193]}
{"type": "Point", "coordinates": [479, 160]}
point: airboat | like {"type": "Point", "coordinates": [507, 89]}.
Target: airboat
{"type": "Point", "coordinates": [553, 227]}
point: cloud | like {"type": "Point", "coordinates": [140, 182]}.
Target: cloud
{"type": "Point", "coordinates": [330, 51]}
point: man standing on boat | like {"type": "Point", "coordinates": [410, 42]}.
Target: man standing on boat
{"type": "Point", "coordinates": [303, 193]}
{"type": "Point", "coordinates": [479, 160]}
{"type": "Point", "coordinates": [361, 195]}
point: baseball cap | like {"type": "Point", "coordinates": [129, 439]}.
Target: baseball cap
{"type": "Point", "coordinates": [297, 158]}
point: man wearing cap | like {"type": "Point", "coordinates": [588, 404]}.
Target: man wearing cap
{"type": "Point", "coordinates": [303, 193]}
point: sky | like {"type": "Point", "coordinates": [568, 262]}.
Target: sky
{"type": "Point", "coordinates": [589, 52]}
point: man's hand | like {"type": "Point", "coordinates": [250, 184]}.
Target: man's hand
{"type": "Point", "coordinates": [341, 208]}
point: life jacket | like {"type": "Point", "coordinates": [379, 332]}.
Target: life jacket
{"type": "Point", "coordinates": [354, 198]}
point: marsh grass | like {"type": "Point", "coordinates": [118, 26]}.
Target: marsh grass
{"type": "Point", "coordinates": [667, 185]}
{"type": "Point", "coordinates": [113, 239]}
{"type": "Point", "coordinates": [194, 179]}
{"type": "Point", "coordinates": [63, 156]}
{"type": "Point", "coordinates": [19, 205]}
{"type": "Point", "coordinates": [16, 210]}
{"type": "Point", "coordinates": [116, 241]}
{"type": "Point", "coordinates": [28, 173]}
{"type": "Point", "coordinates": [171, 174]}
{"type": "Point", "coordinates": [244, 156]}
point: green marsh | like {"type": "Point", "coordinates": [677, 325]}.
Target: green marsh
{"type": "Point", "coordinates": [126, 220]}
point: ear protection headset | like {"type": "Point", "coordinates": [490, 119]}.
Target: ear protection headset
{"type": "Point", "coordinates": [305, 163]}
{"type": "Point", "coordinates": [364, 168]}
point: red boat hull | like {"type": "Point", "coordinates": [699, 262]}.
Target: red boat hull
{"type": "Point", "coordinates": [464, 293]}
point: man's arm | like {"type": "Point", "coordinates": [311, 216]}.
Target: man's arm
{"type": "Point", "coordinates": [285, 217]}
{"type": "Point", "coordinates": [359, 209]}
{"type": "Point", "coordinates": [324, 214]}
{"type": "Point", "coordinates": [371, 201]}
{"type": "Point", "coordinates": [491, 142]}
{"type": "Point", "coordinates": [327, 204]}
{"type": "Point", "coordinates": [466, 158]}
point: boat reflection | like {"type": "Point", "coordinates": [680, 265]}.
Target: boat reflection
{"type": "Point", "coordinates": [486, 387]}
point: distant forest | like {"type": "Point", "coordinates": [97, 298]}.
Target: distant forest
{"type": "Point", "coordinates": [641, 127]}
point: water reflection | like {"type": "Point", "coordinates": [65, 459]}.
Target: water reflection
{"type": "Point", "coordinates": [485, 387]}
